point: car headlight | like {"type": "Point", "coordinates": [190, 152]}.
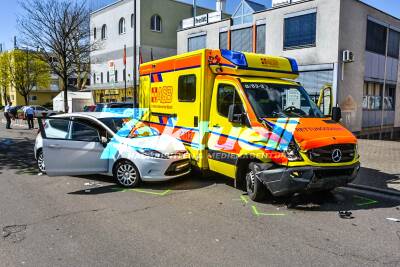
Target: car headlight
{"type": "Point", "coordinates": [152, 153]}
{"type": "Point", "coordinates": [292, 152]}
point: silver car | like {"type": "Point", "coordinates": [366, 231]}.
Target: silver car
{"type": "Point", "coordinates": [110, 144]}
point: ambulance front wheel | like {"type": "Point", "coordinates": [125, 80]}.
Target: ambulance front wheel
{"type": "Point", "coordinates": [255, 188]}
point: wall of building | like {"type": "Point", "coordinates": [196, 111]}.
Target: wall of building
{"type": "Point", "coordinates": [211, 30]}
{"type": "Point", "coordinates": [326, 38]}
{"type": "Point", "coordinates": [353, 35]}
{"type": "Point", "coordinates": [151, 44]}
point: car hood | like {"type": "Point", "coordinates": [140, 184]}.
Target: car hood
{"type": "Point", "coordinates": [311, 133]}
{"type": "Point", "coordinates": [162, 143]}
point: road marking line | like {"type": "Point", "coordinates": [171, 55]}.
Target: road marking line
{"type": "Point", "coordinates": [257, 213]}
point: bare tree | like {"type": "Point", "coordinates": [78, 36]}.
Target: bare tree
{"type": "Point", "coordinates": [60, 30]}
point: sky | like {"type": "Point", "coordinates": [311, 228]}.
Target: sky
{"type": "Point", "coordinates": [10, 9]}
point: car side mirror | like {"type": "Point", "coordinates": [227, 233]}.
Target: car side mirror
{"type": "Point", "coordinates": [336, 114]}
{"type": "Point", "coordinates": [104, 141]}
{"type": "Point", "coordinates": [235, 114]}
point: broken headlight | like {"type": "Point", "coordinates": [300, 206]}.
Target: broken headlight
{"type": "Point", "coordinates": [292, 152]}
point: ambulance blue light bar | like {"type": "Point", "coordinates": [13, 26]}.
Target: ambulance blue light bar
{"type": "Point", "coordinates": [293, 63]}
{"type": "Point", "coordinates": [237, 58]}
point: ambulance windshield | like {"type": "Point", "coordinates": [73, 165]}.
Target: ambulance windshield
{"type": "Point", "coordinates": [280, 101]}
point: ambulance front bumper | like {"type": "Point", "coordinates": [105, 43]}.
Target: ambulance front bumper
{"type": "Point", "coordinates": [288, 180]}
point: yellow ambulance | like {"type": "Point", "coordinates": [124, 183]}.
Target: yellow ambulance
{"type": "Point", "coordinates": [243, 115]}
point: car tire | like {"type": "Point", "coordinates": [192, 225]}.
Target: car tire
{"type": "Point", "coordinates": [126, 174]}
{"type": "Point", "coordinates": [40, 161]}
{"type": "Point", "coordinates": [255, 188]}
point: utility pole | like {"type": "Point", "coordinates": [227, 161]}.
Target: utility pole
{"type": "Point", "coordinates": [194, 12]}
{"type": "Point", "coordinates": [134, 57]}
{"type": "Point", "coordinates": [124, 76]}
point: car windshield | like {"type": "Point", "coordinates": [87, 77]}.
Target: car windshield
{"type": "Point", "coordinates": [280, 101]}
{"type": "Point", "coordinates": [135, 131]}
{"type": "Point", "coordinates": [116, 124]}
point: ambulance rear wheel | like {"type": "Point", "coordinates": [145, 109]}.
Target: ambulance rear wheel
{"type": "Point", "coordinates": [255, 188]}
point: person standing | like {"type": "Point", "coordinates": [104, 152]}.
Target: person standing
{"type": "Point", "coordinates": [7, 115]}
{"type": "Point", "coordinates": [29, 112]}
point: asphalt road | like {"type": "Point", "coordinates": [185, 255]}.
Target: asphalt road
{"type": "Point", "coordinates": [194, 221]}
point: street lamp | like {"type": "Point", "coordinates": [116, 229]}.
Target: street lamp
{"type": "Point", "coordinates": [134, 57]}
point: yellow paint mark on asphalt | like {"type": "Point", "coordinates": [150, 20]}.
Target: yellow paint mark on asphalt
{"type": "Point", "coordinates": [257, 213]}
{"type": "Point", "coordinates": [244, 199]}
{"type": "Point", "coordinates": [144, 191]}
{"type": "Point", "coordinates": [364, 201]}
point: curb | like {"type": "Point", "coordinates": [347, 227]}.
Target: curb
{"type": "Point", "coordinates": [374, 189]}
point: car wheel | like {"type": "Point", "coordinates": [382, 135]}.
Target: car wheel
{"type": "Point", "coordinates": [255, 188]}
{"type": "Point", "coordinates": [40, 161]}
{"type": "Point", "coordinates": [126, 174]}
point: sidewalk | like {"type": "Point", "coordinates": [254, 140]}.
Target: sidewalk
{"type": "Point", "coordinates": [380, 162]}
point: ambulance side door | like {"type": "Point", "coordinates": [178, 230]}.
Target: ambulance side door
{"type": "Point", "coordinates": [223, 147]}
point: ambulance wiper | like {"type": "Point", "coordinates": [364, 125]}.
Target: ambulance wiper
{"type": "Point", "coordinates": [278, 114]}
{"type": "Point", "coordinates": [289, 113]}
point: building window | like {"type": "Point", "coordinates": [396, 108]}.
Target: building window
{"type": "Point", "coordinates": [223, 40]}
{"type": "Point", "coordinates": [372, 99]}
{"type": "Point", "coordinates": [121, 26]}
{"type": "Point", "coordinates": [242, 40]}
{"type": "Point", "coordinates": [116, 76]}
{"type": "Point", "coordinates": [101, 78]}
{"type": "Point", "coordinates": [94, 78]}
{"type": "Point", "coordinates": [261, 35]}
{"type": "Point", "coordinates": [33, 98]}
{"type": "Point", "coordinates": [376, 38]}
{"type": "Point", "coordinates": [196, 43]}
{"type": "Point", "coordinates": [394, 44]}
{"type": "Point", "coordinates": [156, 23]}
{"type": "Point", "coordinates": [108, 77]}
{"type": "Point", "coordinates": [389, 101]}
{"type": "Point", "coordinates": [104, 32]}
{"type": "Point", "coordinates": [300, 31]}
{"type": "Point", "coordinates": [132, 20]}
{"type": "Point", "coordinates": [124, 75]}
{"type": "Point", "coordinates": [226, 97]}
{"type": "Point", "coordinates": [95, 33]}
{"type": "Point", "coordinates": [243, 14]}
{"type": "Point", "coordinates": [187, 88]}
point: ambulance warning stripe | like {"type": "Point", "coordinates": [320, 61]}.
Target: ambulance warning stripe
{"type": "Point", "coordinates": [276, 156]}
{"type": "Point", "coordinates": [172, 65]}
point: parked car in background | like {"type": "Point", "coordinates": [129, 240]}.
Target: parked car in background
{"type": "Point", "coordinates": [106, 143]}
{"type": "Point", "coordinates": [40, 111]}
{"type": "Point", "coordinates": [91, 108]}
{"type": "Point", "coordinates": [101, 107]}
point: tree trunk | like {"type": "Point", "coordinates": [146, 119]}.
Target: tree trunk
{"type": "Point", "coordinates": [5, 96]}
{"type": "Point", "coordinates": [65, 84]}
{"type": "Point", "coordinates": [26, 98]}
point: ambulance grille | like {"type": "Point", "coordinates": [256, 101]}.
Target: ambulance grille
{"type": "Point", "coordinates": [324, 154]}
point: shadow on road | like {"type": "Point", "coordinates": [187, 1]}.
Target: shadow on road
{"type": "Point", "coordinates": [337, 200]}
{"type": "Point", "coordinates": [379, 179]}
{"type": "Point", "coordinates": [17, 154]}
{"type": "Point", "coordinates": [190, 182]}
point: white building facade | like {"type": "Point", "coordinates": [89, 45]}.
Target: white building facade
{"type": "Point", "coordinates": [112, 29]}
{"type": "Point", "coordinates": [317, 33]}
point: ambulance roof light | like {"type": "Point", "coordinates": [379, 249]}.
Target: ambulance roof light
{"type": "Point", "coordinates": [237, 58]}
{"type": "Point", "coordinates": [293, 63]}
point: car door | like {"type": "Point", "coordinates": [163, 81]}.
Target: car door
{"type": "Point", "coordinates": [72, 147]}
{"type": "Point", "coordinates": [223, 147]}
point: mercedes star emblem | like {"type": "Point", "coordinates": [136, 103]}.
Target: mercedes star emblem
{"type": "Point", "coordinates": [337, 155]}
